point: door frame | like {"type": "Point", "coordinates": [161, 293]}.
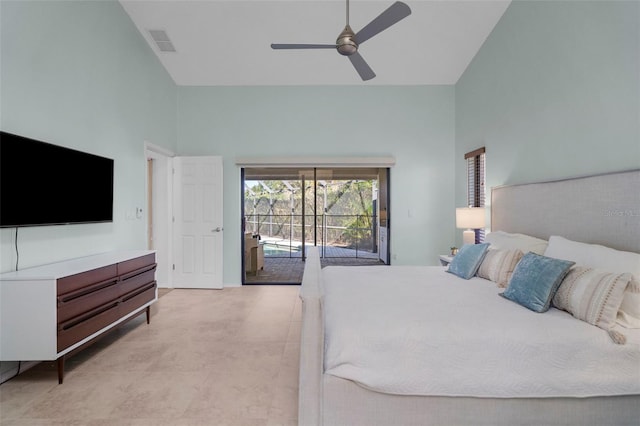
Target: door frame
{"type": "Point", "coordinates": [383, 186]}
{"type": "Point", "coordinates": [161, 198]}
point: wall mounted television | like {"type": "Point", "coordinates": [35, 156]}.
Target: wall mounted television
{"type": "Point", "coordinates": [46, 184]}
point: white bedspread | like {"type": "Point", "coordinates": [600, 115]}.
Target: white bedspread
{"type": "Point", "coordinates": [422, 331]}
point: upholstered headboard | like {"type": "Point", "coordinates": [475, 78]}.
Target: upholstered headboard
{"type": "Point", "coordinates": [600, 209]}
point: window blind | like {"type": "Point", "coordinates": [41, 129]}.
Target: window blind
{"type": "Point", "coordinates": [476, 183]}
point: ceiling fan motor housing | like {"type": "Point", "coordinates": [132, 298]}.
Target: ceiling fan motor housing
{"type": "Point", "coordinates": [345, 44]}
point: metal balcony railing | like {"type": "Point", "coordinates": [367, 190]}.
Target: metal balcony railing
{"type": "Point", "coordinates": [336, 235]}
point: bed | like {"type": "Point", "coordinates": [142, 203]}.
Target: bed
{"type": "Point", "coordinates": [419, 345]}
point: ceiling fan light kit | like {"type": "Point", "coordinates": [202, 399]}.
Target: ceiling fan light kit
{"type": "Point", "coordinates": [348, 42]}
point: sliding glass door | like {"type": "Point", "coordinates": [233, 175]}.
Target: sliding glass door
{"type": "Point", "coordinates": [286, 210]}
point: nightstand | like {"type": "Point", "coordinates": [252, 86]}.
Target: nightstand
{"type": "Point", "coordinates": [445, 259]}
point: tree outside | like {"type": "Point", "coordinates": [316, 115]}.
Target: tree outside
{"type": "Point", "coordinates": [273, 209]}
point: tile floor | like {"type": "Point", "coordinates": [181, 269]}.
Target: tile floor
{"type": "Point", "coordinates": [209, 357]}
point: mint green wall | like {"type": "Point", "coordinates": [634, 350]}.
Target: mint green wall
{"type": "Point", "coordinates": [413, 124]}
{"type": "Point", "coordinates": [554, 92]}
{"type": "Point", "coordinates": [78, 74]}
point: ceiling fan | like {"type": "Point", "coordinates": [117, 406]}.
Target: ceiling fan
{"type": "Point", "coordinates": [348, 42]}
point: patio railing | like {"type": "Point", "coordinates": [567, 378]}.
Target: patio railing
{"type": "Point", "coordinates": [336, 235]}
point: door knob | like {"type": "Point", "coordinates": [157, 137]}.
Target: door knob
{"type": "Point", "coordinates": [218, 229]}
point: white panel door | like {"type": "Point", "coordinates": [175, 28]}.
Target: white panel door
{"type": "Point", "coordinates": [197, 222]}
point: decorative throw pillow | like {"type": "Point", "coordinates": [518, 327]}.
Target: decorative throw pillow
{"type": "Point", "coordinates": [498, 265]}
{"type": "Point", "coordinates": [629, 313]}
{"type": "Point", "coordinates": [535, 281]}
{"type": "Point", "coordinates": [592, 295]}
{"type": "Point", "coordinates": [465, 264]}
{"type": "Point", "coordinates": [605, 259]}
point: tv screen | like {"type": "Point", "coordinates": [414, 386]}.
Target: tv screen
{"type": "Point", "coordinates": [46, 184]}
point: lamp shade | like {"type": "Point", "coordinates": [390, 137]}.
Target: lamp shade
{"type": "Point", "coordinates": [470, 217]}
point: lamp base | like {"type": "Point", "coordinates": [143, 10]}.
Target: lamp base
{"type": "Point", "coordinates": [469, 237]}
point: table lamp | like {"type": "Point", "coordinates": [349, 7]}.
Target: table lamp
{"type": "Point", "coordinates": [469, 218]}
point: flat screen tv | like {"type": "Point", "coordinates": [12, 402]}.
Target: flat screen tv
{"type": "Point", "coordinates": [46, 184]}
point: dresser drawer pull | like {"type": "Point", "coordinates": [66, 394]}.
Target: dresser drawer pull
{"type": "Point", "coordinates": [137, 272]}
{"type": "Point", "coordinates": [87, 316]}
{"type": "Point", "coordinates": [139, 291]}
{"type": "Point", "coordinates": [85, 290]}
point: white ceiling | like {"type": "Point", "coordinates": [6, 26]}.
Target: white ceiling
{"type": "Point", "coordinates": [227, 43]}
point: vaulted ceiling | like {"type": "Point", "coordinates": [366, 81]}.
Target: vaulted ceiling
{"type": "Point", "coordinates": [227, 43]}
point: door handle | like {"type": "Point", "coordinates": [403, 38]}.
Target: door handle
{"type": "Point", "coordinates": [218, 229]}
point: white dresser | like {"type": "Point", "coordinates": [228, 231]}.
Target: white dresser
{"type": "Point", "coordinates": [48, 311]}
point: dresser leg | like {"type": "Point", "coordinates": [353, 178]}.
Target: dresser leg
{"type": "Point", "coordinates": [60, 369]}
{"type": "Point", "coordinates": [148, 314]}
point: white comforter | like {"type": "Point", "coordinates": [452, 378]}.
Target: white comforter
{"type": "Point", "coordinates": [422, 331]}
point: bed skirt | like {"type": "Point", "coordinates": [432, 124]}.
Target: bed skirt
{"type": "Point", "coordinates": [346, 403]}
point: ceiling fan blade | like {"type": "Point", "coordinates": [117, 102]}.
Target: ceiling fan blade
{"type": "Point", "coordinates": [302, 46]}
{"type": "Point", "coordinates": [365, 71]}
{"type": "Point", "coordinates": [396, 12]}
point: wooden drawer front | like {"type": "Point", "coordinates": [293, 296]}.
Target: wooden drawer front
{"type": "Point", "coordinates": [77, 281]}
{"type": "Point", "coordinates": [137, 298]}
{"type": "Point", "coordinates": [137, 263]}
{"type": "Point", "coordinates": [137, 279]}
{"type": "Point", "coordinates": [73, 304]}
{"type": "Point", "coordinates": [76, 329]}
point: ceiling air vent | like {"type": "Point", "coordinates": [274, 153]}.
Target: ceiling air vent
{"type": "Point", "coordinates": [162, 40]}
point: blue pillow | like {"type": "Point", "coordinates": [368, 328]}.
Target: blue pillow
{"type": "Point", "coordinates": [465, 264]}
{"type": "Point", "coordinates": [535, 281]}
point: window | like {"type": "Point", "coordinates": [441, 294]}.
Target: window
{"type": "Point", "coordinates": [475, 183]}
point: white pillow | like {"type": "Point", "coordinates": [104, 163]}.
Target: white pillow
{"type": "Point", "coordinates": [508, 241]}
{"type": "Point", "coordinates": [594, 256]}
{"type": "Point", "coordinates": [606, 259]}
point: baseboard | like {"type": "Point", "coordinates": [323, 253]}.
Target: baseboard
{"type": "Point", "coordinates": [20, 367]}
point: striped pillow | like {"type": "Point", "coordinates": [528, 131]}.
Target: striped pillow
{"type": "Point", "coordinates": [498, 265]}
{"type": "Point", "coordinates": [592, 295]}
{"type": "Point", "coordinates": [629, 313]}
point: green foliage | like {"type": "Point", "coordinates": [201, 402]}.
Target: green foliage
{"type": "Point", "coordinates": [347, 204]}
